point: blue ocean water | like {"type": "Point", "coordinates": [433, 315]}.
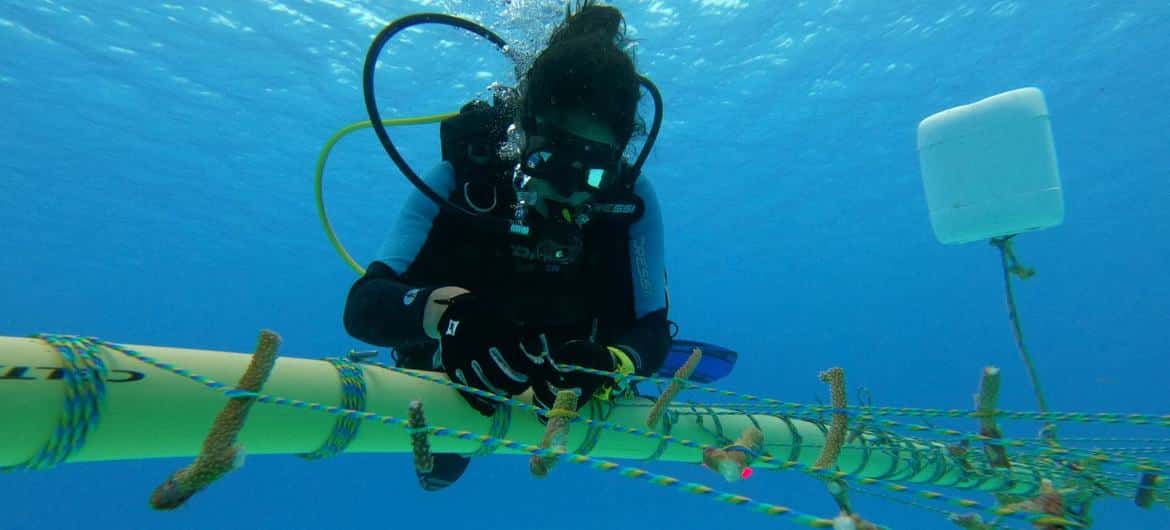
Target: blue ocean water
{"type": "Point", "coordinates": [157, 161]}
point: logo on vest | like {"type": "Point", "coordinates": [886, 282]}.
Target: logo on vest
{"type": "Point", "coordinates": [549, 252]}
{"type": "Point", "coordinates": [641, 263]}
{"type": "Point", "coordinates": [617, 208]}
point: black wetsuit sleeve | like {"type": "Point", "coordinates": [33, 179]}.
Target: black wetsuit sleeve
{"type": "Point", "coordinates": [648, 339]}
{"type": "Point", "coordinates": [385, 306]}
{"type": "Point", "coordinates": [383, 310]}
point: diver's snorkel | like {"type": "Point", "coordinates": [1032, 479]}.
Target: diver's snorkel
{"type": "Point", "coordinates": [516, 225]}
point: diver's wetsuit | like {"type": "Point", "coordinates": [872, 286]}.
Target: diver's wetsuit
{"type": "Point", "coordinates": [612, 289]}
{"type": "Point", "coordinates": [617, 285]}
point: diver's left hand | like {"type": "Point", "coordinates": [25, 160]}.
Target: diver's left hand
{"type": "Point", "coordinates": [554, 376]}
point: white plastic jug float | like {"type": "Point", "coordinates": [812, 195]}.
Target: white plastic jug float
{"type": "Point", "coordinates": [989, 168]}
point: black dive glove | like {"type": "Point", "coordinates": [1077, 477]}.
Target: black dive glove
{"type": "Point", "coordinates": [553, 376]}
{"type": "Point", "coordinates": [481, 349]}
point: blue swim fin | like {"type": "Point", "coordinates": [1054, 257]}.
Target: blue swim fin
{"type": "Point", "coordinates": [717, 361]}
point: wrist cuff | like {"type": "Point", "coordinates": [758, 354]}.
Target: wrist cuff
{"type": "Point", "coordinates": [416, 300]}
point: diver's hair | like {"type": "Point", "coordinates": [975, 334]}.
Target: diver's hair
{"type": "Point", "coordinates": [591, 19]}
{"type": "Point", "coordinates": [586, 66]}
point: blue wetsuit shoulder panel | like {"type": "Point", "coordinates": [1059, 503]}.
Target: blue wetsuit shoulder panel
{"type": "Point", "coordinates": [402, 246]}
{"type": "Point", "coordinates": [647, 253]}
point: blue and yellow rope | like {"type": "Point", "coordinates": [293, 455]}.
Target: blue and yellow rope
{"type": "Point", "coordinates": [353, 397]}
{"type": "Point", "coordinates": [1075, 417]}
{"type": "Point", "coordinates": [83, 375]}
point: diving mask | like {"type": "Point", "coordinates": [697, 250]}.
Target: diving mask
{"type": "Point", "coordinates": [571, 163]}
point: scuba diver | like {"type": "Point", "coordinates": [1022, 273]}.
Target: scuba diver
{"type": "Point", "coordinates": [586, 285]}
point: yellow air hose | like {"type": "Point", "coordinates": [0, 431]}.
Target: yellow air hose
{"type": "Point", "coordinates": [319, 174]}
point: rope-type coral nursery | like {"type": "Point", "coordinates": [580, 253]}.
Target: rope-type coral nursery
{"type": "Point", "coordinates": [856, 449]}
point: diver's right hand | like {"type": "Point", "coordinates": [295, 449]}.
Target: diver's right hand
{"type": "Point", "coordinates": [481, 349]}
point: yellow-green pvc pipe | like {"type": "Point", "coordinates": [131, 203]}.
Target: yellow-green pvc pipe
{"type": "Point", "coordinates": [166, 415]}
{"type": "Point", "coordinates": [319, 174]}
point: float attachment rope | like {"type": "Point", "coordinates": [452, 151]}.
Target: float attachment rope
{"type": "Point", "coordinates": [556, 433]}
{"type": "Point", "coordinates": [1012, 267]}
{"type": "Point", "coordinates": [221, 454]}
